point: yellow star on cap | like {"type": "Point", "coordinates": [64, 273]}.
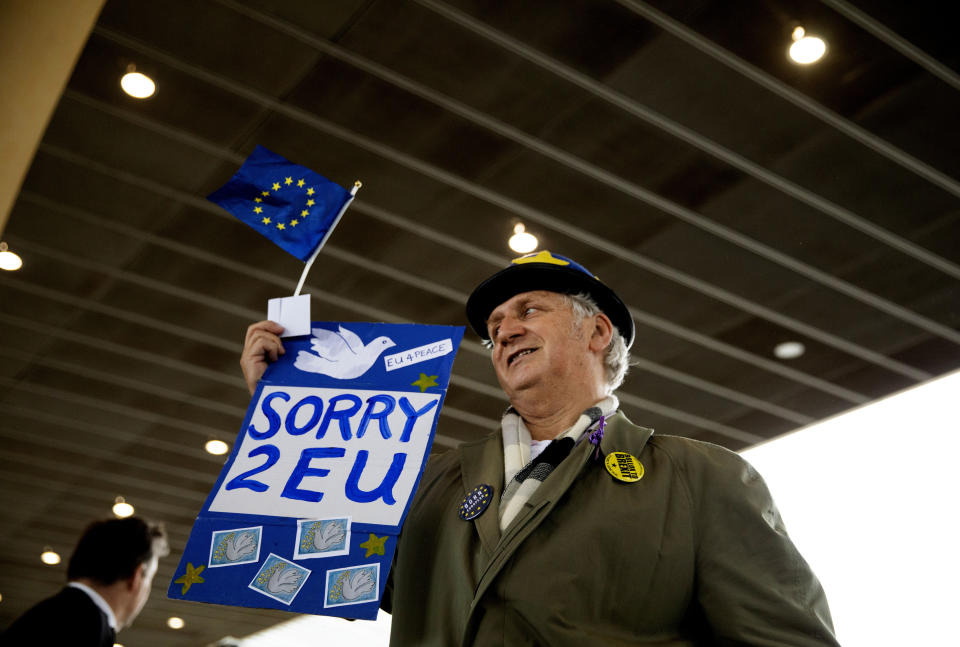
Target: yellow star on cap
{"type": "Point", "coordinates": [540, 257]}
{"type": "Point", "coordinates": [294, 223]}
{"type": "Point", "coordinates": [266, 220]}
{"type": "Point", "coordinates": [304, 213]}
{"type": "Point", "coordinates": [264, 193]}
{"type": "Point", "coordinates": [258, 210]}
{"type": "Point", "coordinates": [425, 382]}
{"type": "Point", "coordinates": [258, 199]}
{"type": "Point", "coordinates": [192, 576]}
{"type": "Point", "coordinates": [300, 183]}
{"type": "Point", "coordinates": [281, 226]}
{"type": "Point", "coordinates": [276, 186]}
{"type": "Point", "coordinates": [310, 191]}
{"type": "Point", "coordinates": [311, 202]}
{"type": "Point", "coordinates": [375, 545]}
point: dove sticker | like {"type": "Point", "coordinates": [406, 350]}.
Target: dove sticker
{"type": "Point", "coordinates": [279, 579]}
{"type": "Point", "coordinates": [340, 355]}
{"type": "Point", "coordinates": [322, 538]}
{"type": "Point", "coordinates": [352, 585]}
{"type": "Point", "coordinates": [233, 547]}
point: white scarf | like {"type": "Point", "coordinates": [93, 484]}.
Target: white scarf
{"type": "Point", "coordinates": [522, 476]}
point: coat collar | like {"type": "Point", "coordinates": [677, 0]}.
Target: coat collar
{"type": "Point", "coordinates": [97, 600]}
{"type": "Point", "coordinates": [621, 435]}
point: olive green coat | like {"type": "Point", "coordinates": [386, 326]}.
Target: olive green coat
{"type": "Point", "coordinates": [694, 553]}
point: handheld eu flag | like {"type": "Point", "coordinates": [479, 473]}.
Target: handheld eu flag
{"type": "Point", "coordinates": [291, 205]}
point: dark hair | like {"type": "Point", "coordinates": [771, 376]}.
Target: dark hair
{"type": "Point", "coordinates": [112, 549]}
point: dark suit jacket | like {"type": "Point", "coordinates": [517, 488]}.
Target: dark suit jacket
{"type": "Point", "coordinates": [68, 618]}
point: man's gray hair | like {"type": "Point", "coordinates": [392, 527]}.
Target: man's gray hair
{"type": "Point", "coordinates": [616, 359]}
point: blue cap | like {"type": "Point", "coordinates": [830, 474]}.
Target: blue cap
{"type": "Point", "coordinates": [545, 271]}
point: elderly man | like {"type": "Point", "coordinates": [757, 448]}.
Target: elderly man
{"type": "Point", "coordinates": [108, 582]}
{"type": "Point", "coordinates": [572, 526]}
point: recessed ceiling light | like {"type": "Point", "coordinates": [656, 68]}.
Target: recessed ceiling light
{"type": "Point", "coordinates": [521, 241]}
{"type": "Point", "coordinates": [175, 623]}
{"type": "Point", "coordinates": [8, 260]}
{"type": "Point", "coordinates": [806, 49]}
{"type": "Point", "coordinates": [49, 557]}
{"type": "Point", "coordinates": [789, 350]}
{"type": "Point", "coordinates": [121, 508]}
{"type": "Point", "coordinates": [216, 447]}
{"type": "Point", "coordinates": [137, 85]}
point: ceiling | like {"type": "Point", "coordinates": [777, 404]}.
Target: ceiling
{"type": "Point", "coordinates": [733, 199]}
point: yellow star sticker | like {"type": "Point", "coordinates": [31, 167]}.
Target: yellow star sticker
{"type": "Point", "coordinates": [258, 199]}
{"type": "Point", "coordinates": [276, 186]}
{"type": "Point", "coordinates": [425, 382]}
{"type": "Point", "coordinates": [375, 545]}
{"type": "Point", "coordinates": [304, 213]}
{"type": "Point", "coordinates": [192, 576]}
{"type": "Point", "coordinates": [264, 193]}
{"type": "Point", "coordinates": [258, 210]}
{"type": "Point", "coordinates": [281, 226]}
{"type": "Point", "coordinates": [300, 183]}
{"type": "Point", "coordinates": [294, 223]}
{"type": "Point", "coordinates": [266, 220]}
{"type": "Point", "coordinates": [288, 181]}
{"type": "Point", "coordinates": [310, 191]}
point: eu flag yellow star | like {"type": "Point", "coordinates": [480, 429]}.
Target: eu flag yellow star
{"type": "Point", "coordinates": [258, 199]}
{"type": "Point", "coordinates": [281, 226]}
{"type": "Point", "coordinates": [311, 202]}
{"type": "Point", "coordinates": [310, 191]}
{"type": "Point", "coordinates": [264, 193]}
{"type": "Point", "coordinates": [375, 545]}
{"type": "Point", "coordinates": [192, 576]}
{"type": "Point", "coordinates": [300, 183]}
{"type": "Point", "coordinates": [258, 210]}
{"type": "Point", "coordinates": [294, 223]}
{"type": "Point", "coordinates": [288, 181]}
{"type": "Point", "coordinates": [425, 382]}
{"type": "Point", "coordinates": [276, 186]}
{"type": "Point", "coordinates": [266, 220]}
{"type": "Point", "coordinates": [304, 213]}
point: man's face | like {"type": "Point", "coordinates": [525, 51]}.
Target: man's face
{"type": "Point", "coordinates": [537, 341]}
{"type": "Point", "coordinates": [140, 591]}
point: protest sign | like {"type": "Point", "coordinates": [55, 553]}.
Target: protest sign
{"type": "Point", "coordinates": [306, 511]}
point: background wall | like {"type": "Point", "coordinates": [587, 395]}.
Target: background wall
{"type": "Point", "coordinates": [869, 497]}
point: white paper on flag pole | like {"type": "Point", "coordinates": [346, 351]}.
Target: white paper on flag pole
{"type": "Point", "coordinates": [293, 313]}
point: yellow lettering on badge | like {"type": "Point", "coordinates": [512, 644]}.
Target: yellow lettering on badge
{"type": "Point", "coordinates": [623, 467]}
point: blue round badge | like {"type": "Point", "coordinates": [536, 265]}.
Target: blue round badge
{"type": "Point", "coordinates": [476, 501]}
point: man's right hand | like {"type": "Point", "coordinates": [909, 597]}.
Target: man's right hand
{"type": "Point", "coordinates": [261, 346]}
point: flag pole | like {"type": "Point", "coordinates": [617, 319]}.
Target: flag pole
{"type": "Point", "coordinates": [313, 257]}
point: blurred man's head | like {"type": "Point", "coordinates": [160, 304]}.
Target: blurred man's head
{"type": "Point", "coordinates": [119, 556]}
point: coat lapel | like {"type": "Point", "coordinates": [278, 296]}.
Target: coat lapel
{"type": "Point", "coordinates": [482, 464]}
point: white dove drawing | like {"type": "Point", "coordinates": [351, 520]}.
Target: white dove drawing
{"type": "Point", "coordinates": [341, 354]}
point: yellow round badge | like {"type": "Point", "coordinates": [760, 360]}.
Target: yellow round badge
{"type": "Point", "coordinates": [624, 467]}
